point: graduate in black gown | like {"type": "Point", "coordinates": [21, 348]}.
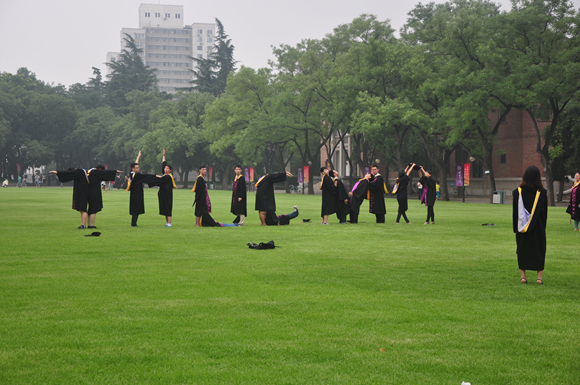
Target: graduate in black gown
{"type": "Point", "coordinates": [358, 194]}
{"type": "Point", "coordinates": [377, 191]}
{"type": "Point", "coordinates": [80, 190]}
{"type": "Point", "coordinates": [429, 193]}
{"type": "Point", "coordinates": [166, 185]}
{"type": "Point", "coordinates": [328, 193]}
{"type": "Point", "coordinates": [341, 198]}
{"type": "Point", "coordinates": [206, 220]}
{"type": "Point", "coordinates": [96, 176]}
{"type": "Point", "coordinates": [202, 203]}
{"type": "Point", "coordinates": [401, 190]}
{"type": "Point", "coordinates": [530, 214]}
{"type": "Point", "coordinates": [239, 200]}
{"type": "Point", "coordinates": [280, 220]}
{"type": "Point", "coordinates": [574, 207]}
{"type": "Point", "coordinates": [135, 186]}
{"type": "Point", "coordinates": [265, 200]}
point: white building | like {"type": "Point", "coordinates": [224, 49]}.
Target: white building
{"type": "Point", "coordinates": [168, 44]}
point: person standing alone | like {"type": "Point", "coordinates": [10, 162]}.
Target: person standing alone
{"type": "Point", "coordinates": [530, 214]}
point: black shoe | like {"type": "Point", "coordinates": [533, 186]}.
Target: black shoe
{"type": "Point", "coordinates": [91, 227]}
{"type": "Point", "coordinates": [81, 227]}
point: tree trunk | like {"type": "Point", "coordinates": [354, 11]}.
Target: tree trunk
{"type": "Point", "coordinates": [561, 190]}
{"type": "Point", "coordinates": [185, 177]}
{"type": "Point", "coordinates": [544, 152]}
{"type": "Point", "coordinates": [432, 155]}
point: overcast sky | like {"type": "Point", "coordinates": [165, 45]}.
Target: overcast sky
{"type": "Point", "coordinates": [61, 40]}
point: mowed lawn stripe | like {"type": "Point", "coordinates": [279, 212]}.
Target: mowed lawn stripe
{"type": "Point", "coordinates": [195, 305]}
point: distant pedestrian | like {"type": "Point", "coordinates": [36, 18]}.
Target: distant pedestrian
{"type": "Point", "coordinates": [239, 205]}
{"type": "Point", "coordinates": [328, 194]}
{"type": "Point", "coordinates": [574, 208]}
{"type": "Point", "coordinates": [428, 196]}
{"type": "Point", "coordinates": [530, 214]}
{"type": "Point", "coordinates": [401, 190]}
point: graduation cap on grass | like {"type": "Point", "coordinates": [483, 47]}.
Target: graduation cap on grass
{"type": "Point", "coordinates": [93, 234]}
{"type": "Point", "coordinates": [261, 245]}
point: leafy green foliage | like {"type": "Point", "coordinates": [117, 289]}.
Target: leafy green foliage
{"type": "Point", "coordinates": [211, 73]}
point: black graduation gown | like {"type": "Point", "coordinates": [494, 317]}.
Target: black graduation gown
{"type": "Point", "coordinates": [265, 200]}
{"type": "Point", "coordinates": [328, 195]}
{"type": "Point", "coordinates": [95, 196]}
{"type": "Point", "coordinates": [359, 194]}
{"type": "Point", "coordinates": [207, 221]}
{"type": "Point", "coordinates": [531, 245]}
{"type": "Point", "coordinates": [136, 200]}
{"type": "Point", "coordinates": [402, 193]}
{"type": "Point", "coordinates": [166, 185]}
{"type": "Point", "coordinates": [431, 189]}
{"type": "Point", "coordinates": [80, 187]}
{"type": "Point", "coordinates": [201, 198]}
{"type": "Point", "coordinates": [377, 195]}
{"type": "Point", "coordinates": [575, 203]}
{"type": "Point", "coordinates": [342, 209]}
{"type": "Point", "coordinates": [273, 220]}
{"type": "Point", "coordinates": [239, 191]}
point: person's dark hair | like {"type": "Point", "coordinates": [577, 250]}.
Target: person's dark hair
{"type": "Point", "coordinates": [374, 165]}
{"type": "Point", "coordinates": [401, 174]}
{"type": "Point", "coordinates": [71, 169]}
{"type": "Point", "coordinates": [170, 167]}
{"type": "Point", "coordinates": [322, 169]}
{"type": "Point", "coordinates": [134, 164]}
{"type": "Point", "coordinates": [430, 172]}
{"type": "Point", "coordinates": [100, 167]}
{"type": "Point", "coordinates": [532, 180]}
{"type": "Point", "coordinates": [202, 166]}
{"type": "Point", "coordinates": [331, 173]}
{"type": "Point", "coordinates": [238, 166]}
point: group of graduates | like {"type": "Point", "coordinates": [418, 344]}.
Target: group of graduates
{"type": "Point", "coordinates": [87, 198]}
{"type": "Point", "coordinates": [337, 199]}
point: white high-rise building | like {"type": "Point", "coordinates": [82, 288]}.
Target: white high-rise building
{"type": "Point", "coordinates": [168, 44]}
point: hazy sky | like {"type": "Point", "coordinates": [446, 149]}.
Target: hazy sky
{"type": "Point", "coordinates": [61, 40]}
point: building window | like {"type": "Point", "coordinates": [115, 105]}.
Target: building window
{"type": "Point", "coordinates": [208, 49]}
{"type": "Point", "coordinates": [147, 14]}
{"type": "Point", "coordinates": [199, 56]}
{"type": "Point", "coordinates": [200, 31]}
{"type": "Point", "coordinates": [502, 159]}
{"type": "Point", "coordinates": [177, 16]}
{"type": "Point", "coordinates": [209, 40]}
{"type": "Point", "coordinates": [167, 15]}
{"type": "Point", "coordinates": [200, 48]}
{"type": "Point", "coordinates": [200, 39]}
{"type": "Point", "coordinates": [157, 14]}
{"type": "Point", "coordinates": [209, 32]}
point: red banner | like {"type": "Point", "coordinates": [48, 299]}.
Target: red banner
{"type": "Point", "coordinates": [251, 174]}
{"type": "Point", "coordinates": [466, 172]}
{"type": "Point", "coordinates": [306, 174]}
{"type": "Point", "coordinates": [210, 171]}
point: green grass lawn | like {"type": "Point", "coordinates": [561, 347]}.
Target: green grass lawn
{"type": "Point", "coordinates": [340, 304]}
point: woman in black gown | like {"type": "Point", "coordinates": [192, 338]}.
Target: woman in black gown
{"type": "Point", "coordinates": [530, 214]}
{"type": "Point", "coordinates": [429, 194]}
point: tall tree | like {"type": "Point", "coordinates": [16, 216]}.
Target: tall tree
{"type": "Point", "coordinates": [544, 34]}
{"type": "Point", "coordinates": [129, 73]}
{"type": "Point", "coordinates": [212, 73]}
